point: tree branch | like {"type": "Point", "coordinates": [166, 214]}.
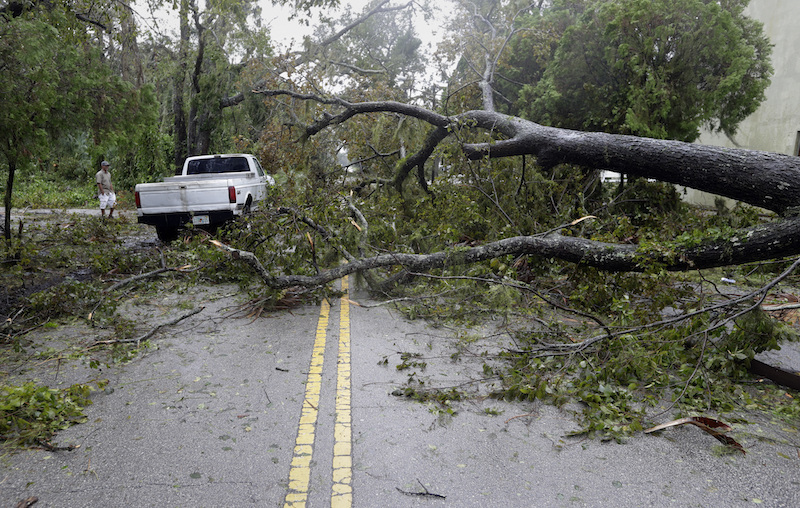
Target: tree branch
{"type": "Point", "coordinates": [763, 179]}
{"type": "Point", "coordinates": [152, 332]}
{"type": "Point", "coordinates": [754, 244]}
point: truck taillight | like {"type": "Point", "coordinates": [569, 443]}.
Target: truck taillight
{"type": "Point", "coordinates": [138, 200]}
{"type": "Point", "coordinates": [232, 194]}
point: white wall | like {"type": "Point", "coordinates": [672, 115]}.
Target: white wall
{"type": "Point", "coordinates": [775, 125]}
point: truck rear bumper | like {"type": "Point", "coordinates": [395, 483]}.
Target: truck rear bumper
{"type": "Point", "coordinates": [177, 220]}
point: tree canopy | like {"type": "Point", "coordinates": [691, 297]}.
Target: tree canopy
{"type": "Point", "coordinates": [56, 83]}
{"type": "Point", "coordinates": [653, 68]}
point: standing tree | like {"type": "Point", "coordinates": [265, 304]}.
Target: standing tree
{"type": "Point", "coordinates": [199, 72]}
{"type": "Point", "coordinates": [659, 69]}
{"type": "Point", "coordinates": [55, 80]}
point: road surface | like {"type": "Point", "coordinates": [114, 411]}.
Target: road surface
{"type": "Point", "coordinates": [296, 409]}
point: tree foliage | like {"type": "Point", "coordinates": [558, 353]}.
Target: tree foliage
{"type": "Point", "coordinates": [658, 69]}
{"type": "Point", "coordinates": [57, 83]}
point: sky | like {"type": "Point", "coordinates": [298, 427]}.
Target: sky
{"type": "Point", "coordinates": [284, 32]}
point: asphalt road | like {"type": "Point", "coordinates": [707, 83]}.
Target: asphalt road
{"type": "Point", "coordinates": [296, 409]}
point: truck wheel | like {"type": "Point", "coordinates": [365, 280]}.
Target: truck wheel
{"type": "Point", "coordinates": [166, 234]}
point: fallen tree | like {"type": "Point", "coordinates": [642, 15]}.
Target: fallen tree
{"type": "Point", "coordinates": [620, 343]}
{"type": "Point", "coordinates": [767, 180]}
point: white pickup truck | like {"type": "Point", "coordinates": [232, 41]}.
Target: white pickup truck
{"type": "Point", "coordinates": [210, 190]}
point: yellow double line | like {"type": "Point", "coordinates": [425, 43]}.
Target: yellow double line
{"type": "Point", "coordinates": [300, 472]}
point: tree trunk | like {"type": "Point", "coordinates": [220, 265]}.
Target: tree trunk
{"type": "Point", "coordinates": [179, 115]}
{"type": "Point", "coordinates": [764, 179]}
{"type": "Point", "coordinates": [12, 170]}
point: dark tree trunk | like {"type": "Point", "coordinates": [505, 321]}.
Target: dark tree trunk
{"type": "Point", "coordinates": [200, 125]}
{"type": "Point", "coordinates": [178, 110]}
{"type": "Point", "coordinates": [764, 179]}
{"type": "Point", "coordinates": [12, 170]}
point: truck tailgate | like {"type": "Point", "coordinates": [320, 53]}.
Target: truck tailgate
{"type": "Point", "coordinates": [170, 197]}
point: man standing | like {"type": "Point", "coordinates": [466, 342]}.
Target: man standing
{"type": "Point", "coordinates": [105, 190]}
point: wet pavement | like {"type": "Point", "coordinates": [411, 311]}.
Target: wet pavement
{"type": "Point", "coordinates": [298, 409]}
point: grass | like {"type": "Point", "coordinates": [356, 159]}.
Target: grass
{"type": "Point", "coordinates": [49, 191]}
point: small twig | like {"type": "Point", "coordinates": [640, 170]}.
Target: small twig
{"type": "Point", "coordinates": [688, 381]}
{"type": "Point", "coordinates": [137, 278]}
{"type": "Point", "coordinates": [53, 448]}
{"type": "Point", "coordinates": [426, 493]}
{"type": "Point", "coordinates": [89, 468]}
{"type": "Point", "coordinates": [152, 332]}
{"type": "Point", "coordinates": [27, 502]}
{"type": "Point", "coordinates": [519, 416]}
{"type": "Point", "coordinates": [393, 301]}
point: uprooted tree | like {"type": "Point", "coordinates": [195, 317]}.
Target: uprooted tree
{"type": "Point", "coordinates": [762, 179]}
{"type": "Point", "coordinates": [638, 80]}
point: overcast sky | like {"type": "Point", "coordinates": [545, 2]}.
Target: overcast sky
{"type": "Point", "coordinates": [282, 31]}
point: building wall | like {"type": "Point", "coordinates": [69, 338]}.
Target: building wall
{"type": "Point", "coordinates": [775, 125]}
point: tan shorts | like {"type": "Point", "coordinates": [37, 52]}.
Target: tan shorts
{"type": "Point", "coordinates": [107, 200]}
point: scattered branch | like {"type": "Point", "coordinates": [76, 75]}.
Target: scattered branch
{"type": "Point", "coordinates": [152, 332]}
{"type": "Point", "coordinates": [136, 278]}
{"type": "Point", "coordinates": [713, 427]}
{"type": "Point", "coordinates": [748, 298]}
{"type": "Point", "coordinates": [425, 492]}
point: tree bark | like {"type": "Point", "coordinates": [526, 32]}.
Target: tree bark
{"type": "Point", "coordinates": [12, 170]}
{"type": "Point", "coordinates": [764, 179]}
{"type": "Point", "coordinates": [770, 241]}
{"type": "Point", "coordinates": [199, 130]}
{"type": "Point", "coordinates": [179, 115]}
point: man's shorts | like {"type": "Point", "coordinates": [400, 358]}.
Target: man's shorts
{"type": "Point", "coordinates": [107, 200]}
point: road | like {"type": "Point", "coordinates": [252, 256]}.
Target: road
{"type": "Point", "coordinates": [296, 409]}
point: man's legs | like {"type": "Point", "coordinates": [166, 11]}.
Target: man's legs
{"type": "Point", "coordinates": [112, 202]}
{"type": "Point", "coordinates": [103, 202]}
